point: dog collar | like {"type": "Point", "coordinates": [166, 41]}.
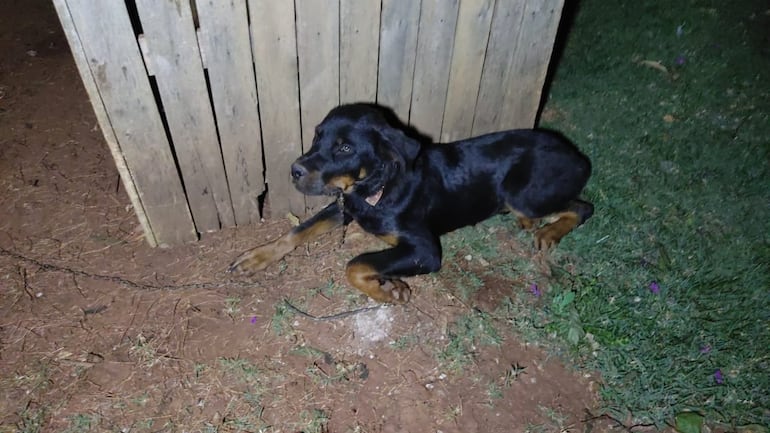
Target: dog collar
{"type": "Point", "coordinates": [375, 198]}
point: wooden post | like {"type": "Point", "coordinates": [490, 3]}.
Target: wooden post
{"type": "Point", "coordinates": [114, 76]}
{"type": "Point", "coordinates": [318, 51]}
{"type": "Point", "coordinates": [470, 47]}
{"type": "Point", "coordinates": [398, 47]}
{"type": "Point", "coordinates": [173, 57]}
{"type": "Point", "coordinates": [359, 48]}
{"type": "Point", "coordinates": [273, 38]}
{"type": "Point", "coordinates": [498, 67]}
{"type": "Point", "coordinates": [224, 40]}
{"type": "Point", "coordinates": [438, 19]}
{"type": "Point", "coordinates": [530, 66]}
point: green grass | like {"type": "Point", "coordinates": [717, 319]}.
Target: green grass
{"type": "Point", "coordinates": [464, 336]}
{"type": "Point", "coordinates": [682, 201]}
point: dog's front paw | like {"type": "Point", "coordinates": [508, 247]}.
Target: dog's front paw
{"type": "Point", "coordinates": [399, 291]}
{"type": "Point", "coordinates": [255, 260]}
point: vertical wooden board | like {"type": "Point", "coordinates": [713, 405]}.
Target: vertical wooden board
{"type": "Point", "coordinates": [530, 66]}
{"type": "Point", "coordinates": [224, 40]}
{"type": "Point", "coordinates": [498, 66]}
{"type": "Point", "coordinates": [438, 19]}
{"type": "Point", "coordinates": [318, 51]}
{"type": "Point", "coordinates": [275, 56]}
{"type": "Point", "coordinates": [398, 47]}
{"type": "Point", "coordinates": [172, 52]}
{"type": "Point", "coordinates": [89, 82]}
{"type": "Point", "coordinates": [105, 34]}
{"type": "Point", "coordinates": [470, 44]}
{"type": "Point", "coordinates": [359, 47]}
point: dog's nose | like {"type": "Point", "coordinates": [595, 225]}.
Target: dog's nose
{"type": "Point", "coordinates": [297, 171]}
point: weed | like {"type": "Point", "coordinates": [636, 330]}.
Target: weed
{"type": "Point", "coordinates": [281, 320]}
{"type": "Point", "coordinates": [468, 331]}
{"type": "Point", "coordinates": [494, 392]}
{"type": "Point", "coordinates": [81, 423]}
{"type": "Point", "coordinates": [314, 421]}
{"type": "Point", "coordinates": [141, 400]}
{"type": "Point", "coordinates": [513, 374]}
{"type": "Point", "coordinates": [198, 370]}
{"type": "Point", "coordinates": [31, 419]}
{"type": "Point", "coordinates": [404, 342]}
{"type": "Point", "coordinates": [241, 369]}
{"type": "Point", "coordinates": [453, 412]}
{"type": "Point", "coordinates": [144, 350]}
{"type": "Point", "coordinates": [558, 421]}
{"type": "Point", "coordinates": [232, 306]}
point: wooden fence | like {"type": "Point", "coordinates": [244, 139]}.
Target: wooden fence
{"type": "Point", "coordinates": [205, 102]}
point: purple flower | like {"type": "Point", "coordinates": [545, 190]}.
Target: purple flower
{"type": "Point", "coordinates": [655, 287]}
{"type": "Point", "coordinates": [253, 320]}
{"type": "Point", "coordinates": [718, 378]}
{"type": "Point", "coordinates": [680, 60]}
{"type": "Point", "coordinates": [706, 348]}
{"type": "Point", "coordinates": [534, 290]}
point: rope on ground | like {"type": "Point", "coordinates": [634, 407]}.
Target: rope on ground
{"type": "Point", "coordinates": [333, 316]}
{"type": "Point", "coordinates": [115, 279]}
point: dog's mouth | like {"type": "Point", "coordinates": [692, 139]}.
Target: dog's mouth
{"type": "Point", "coordinates": [312, 184]}
{"type": "Point", "coordinates": [370, 185]}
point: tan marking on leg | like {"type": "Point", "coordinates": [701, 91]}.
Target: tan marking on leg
{"type": "Point", "coordinates": [525, 223]}
{"type": "Point", "coordinates": [366, 279]}
{"type": "Point", "coordinates": [312, 232]}
{"type": "Point", "coordinates": [257, 259]}
{"type": "Point", "coordinates": [390, 239]}
{"type": "Point", "coordinates": [550, 234]}
{"type": "Point", "coordinates": [262, 256]}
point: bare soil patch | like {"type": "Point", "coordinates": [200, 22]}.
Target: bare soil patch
{"type": "Point", "coordinates": [99, 332]}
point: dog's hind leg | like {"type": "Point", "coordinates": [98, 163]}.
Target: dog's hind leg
{"type": "Point", "coordinates": [563, 222]}
{"type": "Point", "coordinates": [260, 257]}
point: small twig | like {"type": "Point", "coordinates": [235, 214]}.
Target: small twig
{"type": "Point", "coordinates": [333, 316]}
{"type": "Point", "coordinates": [25, 282]}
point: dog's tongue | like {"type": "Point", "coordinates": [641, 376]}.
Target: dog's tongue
{"type": "Point", "coordinates": [374, 198]}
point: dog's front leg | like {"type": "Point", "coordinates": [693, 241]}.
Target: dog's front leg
{"type": "Point", "coordinates": [377, 273]}
{"type": "Point", "coordinates": [260, 257]}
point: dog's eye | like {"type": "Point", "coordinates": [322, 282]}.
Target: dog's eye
{"type": "Point", "coordinates": [343, 147]}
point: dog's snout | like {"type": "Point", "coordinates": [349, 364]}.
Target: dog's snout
{"type": "Point", "coordinates": [297, 171]}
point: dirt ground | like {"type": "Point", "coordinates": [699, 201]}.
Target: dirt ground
{"type": "Point", "coordinates": [99, 332]}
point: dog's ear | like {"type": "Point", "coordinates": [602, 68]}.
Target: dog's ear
{"type": "Point", "coordinates": [396, 146]}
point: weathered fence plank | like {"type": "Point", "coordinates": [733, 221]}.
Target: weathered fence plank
{"type": "Point", "coordinates": [470, 46]}
{"type": "Point", "coordinates": [173, 56]}
{"type": "Point", "coordinates": [274, 44]}
{"type": "Point", "coordinates": [398, 47]}
{"type": "Point", "coordinates": [318, 51]}
{"type": "Point", "coordinates": [498, 66]}
{"type": "Point", "coordinates": [431, 71]}
{"type": "Point", "coordinates": [121, 86]}
{"type": "Point", "coordinates": [224, 39]}
{"type": "Point", "coordinates": [522, 97]}
{"type": "Point", "coordinates": [359, 47]}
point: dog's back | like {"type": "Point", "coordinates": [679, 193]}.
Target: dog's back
{"type": "Point", "coordinates": [533, 172]}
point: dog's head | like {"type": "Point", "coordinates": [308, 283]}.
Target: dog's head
{"type": "Point", "coordinates": [354, 148]}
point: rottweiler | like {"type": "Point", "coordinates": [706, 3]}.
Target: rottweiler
{"type": "Point", "coordinates": [408, 193]}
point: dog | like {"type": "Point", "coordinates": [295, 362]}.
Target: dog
{"type": "Point", "coordinates": [409, 193]}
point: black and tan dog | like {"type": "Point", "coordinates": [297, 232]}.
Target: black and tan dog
{"type": "Point", "coordinates": [409, 194]}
